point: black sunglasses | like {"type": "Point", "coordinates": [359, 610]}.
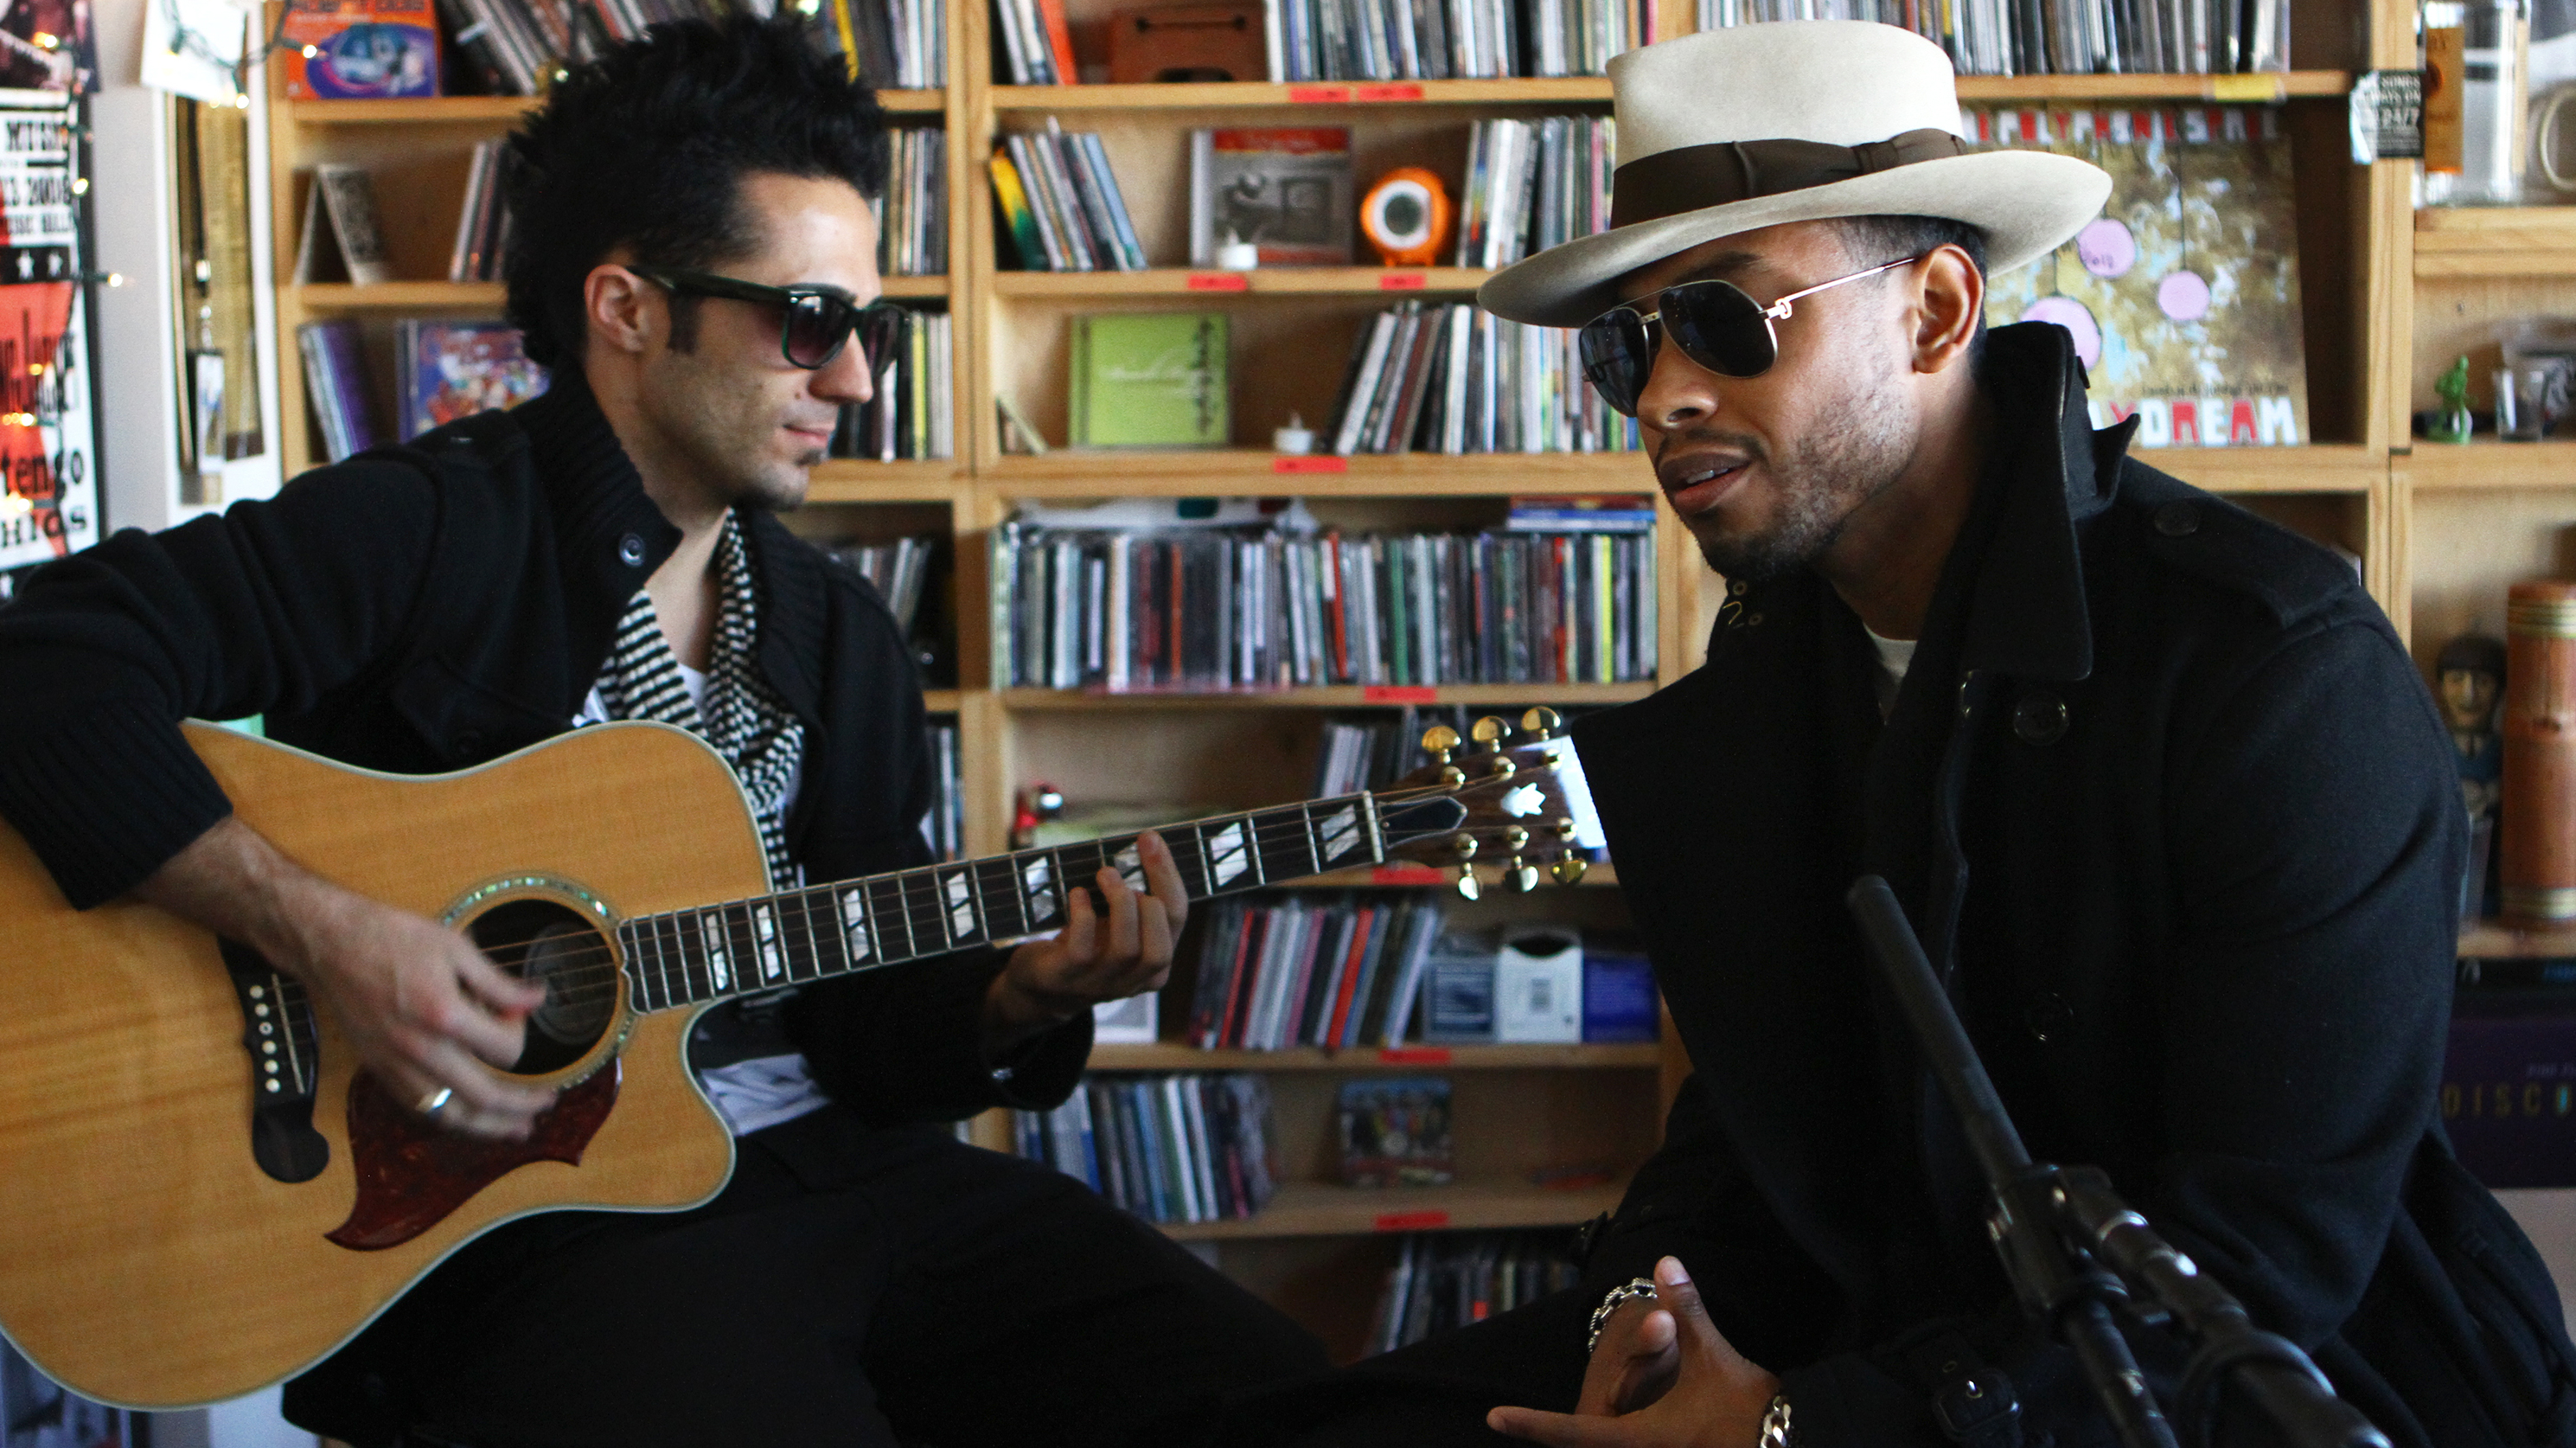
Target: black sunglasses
{"type": "Point", "coordinates": [815, 321]}
{"type": "Point", "coordinates": [1713, 322]}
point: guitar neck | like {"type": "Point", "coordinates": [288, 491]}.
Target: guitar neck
{"type": "Point", "coordinates": [740, 947]}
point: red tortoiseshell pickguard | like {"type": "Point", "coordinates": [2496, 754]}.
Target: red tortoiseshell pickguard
{"type": "Point", "coordinates": [411, 1174]}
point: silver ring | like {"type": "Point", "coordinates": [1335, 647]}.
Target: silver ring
{"type": "Point", "coordinates": [430, 1104]}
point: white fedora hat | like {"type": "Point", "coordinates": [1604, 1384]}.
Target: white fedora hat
{"type": "Point", "coordinates": [1755, 125]}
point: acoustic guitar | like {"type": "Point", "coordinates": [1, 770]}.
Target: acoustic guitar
{"type": "Point", "coordinates": [202, 1195]}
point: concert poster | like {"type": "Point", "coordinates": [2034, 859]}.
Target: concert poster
{"type": "Point", "coordinates": [48, 430]}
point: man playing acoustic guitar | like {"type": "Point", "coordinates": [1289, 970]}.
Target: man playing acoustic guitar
{"type": "Point", "coordinates": [692, 253]}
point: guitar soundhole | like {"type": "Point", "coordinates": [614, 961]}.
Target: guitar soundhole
{"type": "Point", "coordinates": [551, 944]}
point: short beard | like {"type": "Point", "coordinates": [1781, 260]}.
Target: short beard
{"type": "Point", "coordinates": [1821, 483]}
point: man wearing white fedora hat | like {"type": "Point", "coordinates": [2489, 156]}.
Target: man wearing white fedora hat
{"type": "Point", "coordinates": [2154, 780]}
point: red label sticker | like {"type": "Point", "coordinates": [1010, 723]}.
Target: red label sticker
{"type": "Point", "coordinates": [1414, 1056]}
{"type": "Point", "coordinates": [1402, 282]}
{"type": "Point", "coordinates": [1411, 1221]}
{"type": "Point", "coordinates": [1219, 282]}
{"type": "Point", "coordinates": [1389, 93]}
{"type": "Point", "coordinates": [1404, 875]}
{"type": "Point", "coordinates": [1400, 694]}
{"type": "Point", "coordinates": [1291, 463]}
{"type": "Point", "coordinates": [1318, 95]}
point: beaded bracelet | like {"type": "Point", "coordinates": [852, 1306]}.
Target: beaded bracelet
{"type": "Point", "coordinates": [1633, 1288]}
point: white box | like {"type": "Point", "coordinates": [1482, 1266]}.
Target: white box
{"type": "Point", "coordinates": [1538, 984]}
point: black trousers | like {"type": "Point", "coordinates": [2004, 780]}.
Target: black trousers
{"type": "Point", "coordinates": [850, 1286]}
{"type": "Point", "coordinates": [1434, 1394]}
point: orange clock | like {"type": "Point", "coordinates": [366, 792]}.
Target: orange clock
{"type": "Point", "coordinates": [1405, 217]}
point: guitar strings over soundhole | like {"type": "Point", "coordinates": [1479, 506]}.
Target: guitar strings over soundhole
{"type": "Point", "coordinates": [550, 943]}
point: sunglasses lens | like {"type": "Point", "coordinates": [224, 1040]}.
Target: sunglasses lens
{"type": "Point", "coordinates": [1720, 328]}
{"type": "Point", "coordinates": [816, 328]}
{"type": "Point", "coordinates": [881, 329]}
{"type": "Point", "coordinates": [1618, 350]}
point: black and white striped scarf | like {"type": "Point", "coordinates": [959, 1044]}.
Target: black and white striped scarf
{"type": "Point", "coordinates": [742, 719]}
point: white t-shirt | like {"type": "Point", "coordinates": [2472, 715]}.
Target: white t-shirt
{"type": "Point", "coordinates": [1895, 656]}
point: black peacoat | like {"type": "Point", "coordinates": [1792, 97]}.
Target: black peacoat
{"type": "Point", "coordinates": [2175, 818]}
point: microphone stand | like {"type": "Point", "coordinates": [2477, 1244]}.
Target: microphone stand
{"type": "Point", "coordinates": [2055, 1226]}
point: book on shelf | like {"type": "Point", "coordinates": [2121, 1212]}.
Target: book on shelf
{"type": "Point", "coordinates": [359, 49]}
{"type": "Point", "coordinates": [2183, 296]}
{"type": "Point", "coordinates": [896, 570]}
{"type": "Point", "coordinates": [1306, 970]}
{"type": "Point", "coordinates": [483, 222]}
{"type": "Point", "coordinates": [1288, 606]}
{"type": "Point", "coordinates": [1533, 184]}
{"type": "Point", "coordinates": [1150, 379]}
{"type": "Point", "coordinates": [446, 369]}
{"type": "Point", "coordinates": [1057, 187]}
{"type": "Point", "coordinates": [1447, 1280]}
{"type": "Point", "coordinates": [1397, 40]}
{"type": "Point", "coordinates": [514, 47]}
{"type": "Point", "coordinates": [342, 234]}
{"type": "Point", "coordinates": [335, 385]}
{"type": "Point", "coordinates": [1451, 378]}
{"type": "Point", "coordinates": [911, 417]}
{"type": "Point", "coordinates": [2060, 37]}
{"type": "Point", "coordinates": [1036, 42]}
{"type": "Point", "coordinates": [1187, 1147]}
{"type": "Point", "coordinates": [1284, 189]}
{"type": "Point", "coordinates": [912, 212]}
{"type": "Point", "coordinates": [890, 44]}
{"type": "Point", "coordinates": [1395, 1132]}
{"type": "Point", "coordinates": [1612, 513]}
{"type": "Point", "coordinates": [944, 827]}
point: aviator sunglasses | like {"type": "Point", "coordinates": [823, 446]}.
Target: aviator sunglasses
{"type": "Point", "coordinates": [815, 321]}
{"type": "Point", "coordinates": [1713, 323]}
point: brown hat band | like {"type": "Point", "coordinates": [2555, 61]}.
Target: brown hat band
{"type": "Point", "coordinates": [1693, 178]}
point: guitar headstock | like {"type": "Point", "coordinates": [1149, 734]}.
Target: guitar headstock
{"type": "Point", "coordinates": [1521, 804]}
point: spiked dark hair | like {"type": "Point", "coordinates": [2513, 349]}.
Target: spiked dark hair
{"type": "Point", "coordinates": [645, 148]}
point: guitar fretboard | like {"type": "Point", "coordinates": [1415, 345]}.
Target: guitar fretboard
{"type": "Point", "coordinates": [743, 946]}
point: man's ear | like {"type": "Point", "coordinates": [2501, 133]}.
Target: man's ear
{"type": "Point", "coordinates": [1950, 297]}
{"type": "Point", "coordinates": [621, 315]}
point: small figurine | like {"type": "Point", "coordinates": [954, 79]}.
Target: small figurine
{"type": "Point", "coordinates": [2452, 423]}
{"type": "Point", "coordinates": [2468, 678]}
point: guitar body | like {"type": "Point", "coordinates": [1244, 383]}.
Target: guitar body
{"type": "Point", "coordinates": [149, 1260]}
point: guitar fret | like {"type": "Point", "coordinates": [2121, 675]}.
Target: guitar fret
{"type": "Point", "coordinates": [1039, 874]}
{"type": "Point", "coordinates": [959, 914]}
{"type": "Point", "coordinates": [718, 946]}
{"type": "Point", "coordinates": [857, 929]}
{"type": "Point", "coordinates": [815, 967]}
{"type": "Point", "coordinates": [1306, 835]}
{"type": "Point", "coordinates": [997, 895]}
{"type": "Point", "coordinates": [744, 932]}
{"type": "Point", "coordinates": [885, 901]}
{"type": "Point", "coordinates": [927, 921]}
{"type": "Point", "coordinates": [770, 950]}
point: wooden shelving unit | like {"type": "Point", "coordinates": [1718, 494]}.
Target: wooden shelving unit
{"type": "Point", "coordinates": [2372, 272]}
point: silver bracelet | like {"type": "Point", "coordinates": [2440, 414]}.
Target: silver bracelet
{"type": "Point", "coordinates": [1777, 1431]}
{"type": "Point", "coordinates": [1634, 1287]}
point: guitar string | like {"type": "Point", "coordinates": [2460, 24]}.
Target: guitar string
{"type": "Point", "coordinates": [594, 981]}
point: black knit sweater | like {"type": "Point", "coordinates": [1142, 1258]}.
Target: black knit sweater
{"type": "Point", "coordinates": [430, 607]}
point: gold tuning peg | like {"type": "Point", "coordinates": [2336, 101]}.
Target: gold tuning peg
{"type": "Point", "coordinates": [1541, 722]}
{"type": "Point", "coordinates": [1520, 876]}
{"type": "Point", "coordinates": [1489, 732]}
{"type": "Point", "coordinates": [1440, 739]}
{"type": "Point", "coordinates": [1516, 837]}
{"type": "Point", "coordinates": [1564, 827]}
{"type": "Point", "coordinates": [1569, 869]}
{"type": "Point", "coordinates": [1468, 889]}
{"type": "Point", "coordinates": [1464, 844]}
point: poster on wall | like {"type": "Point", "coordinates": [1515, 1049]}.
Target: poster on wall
{"type": "Point", "coordinates": [48, 428]}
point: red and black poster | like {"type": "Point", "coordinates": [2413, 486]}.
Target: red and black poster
{"type": "Point", "coordinates": [48, 437]}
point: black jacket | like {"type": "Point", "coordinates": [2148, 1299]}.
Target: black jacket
{"type": "Point", "coordinates": [2176, 820]}
{"type": "Point", "coordinates": [430, 607]}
